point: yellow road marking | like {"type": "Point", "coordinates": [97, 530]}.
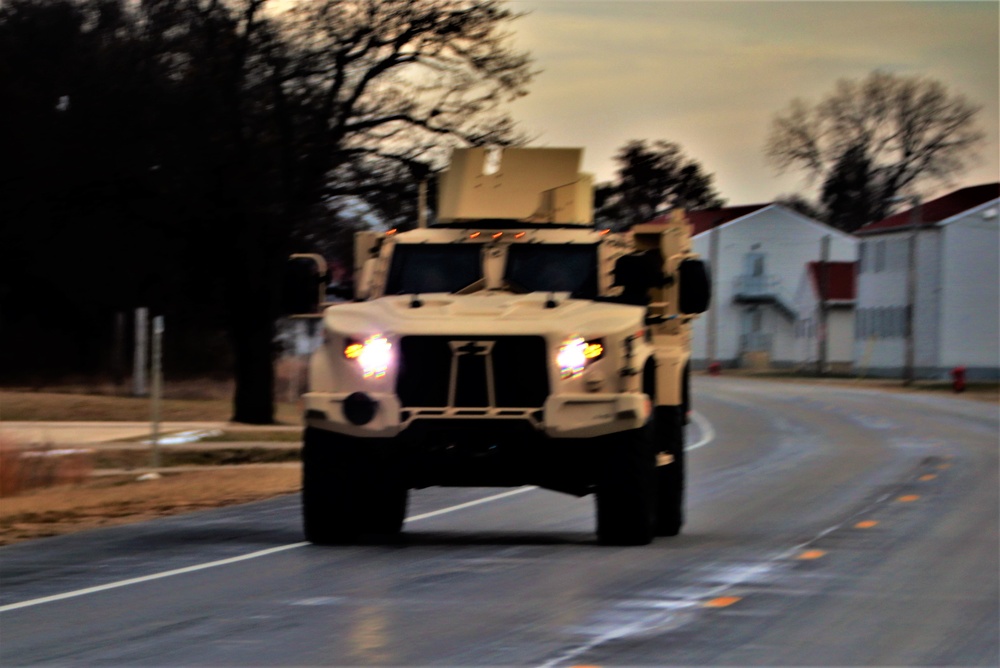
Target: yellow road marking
{"type": "Point", "coordinates": [929, 476]}
{"type": "Point", "coordinates": [722, 601]}
{"type": "Point", "coordinates": [867, 524]}
{"type": "Point", "coordinates": [812, 554]}
{"type": "Point", "coordinates": [908, 498]}
{"type": "Point", "coordinates": [943, 467]}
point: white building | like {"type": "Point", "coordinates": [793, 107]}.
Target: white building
{"type": "Point", "coordinates": [955, 295]}
{"type": "Point", "coordinates": [758, 255]}
{"type": "Point", "coordinates": [824, 303]}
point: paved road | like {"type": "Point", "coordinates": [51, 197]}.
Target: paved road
{"type": "Point", "coordinates": [827, 526]}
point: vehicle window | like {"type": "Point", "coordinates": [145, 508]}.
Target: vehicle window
{"type": "Point", "coordinates": [423, 268]}
{"type": "Point", "coordinates": [553, 268]}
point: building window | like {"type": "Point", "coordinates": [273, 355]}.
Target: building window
{"type": "Point", "coordinates": [862, 255]}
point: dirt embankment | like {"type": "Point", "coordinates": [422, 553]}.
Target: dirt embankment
{"type": "Point", "coordinates": [120, 499]}
{"type": "Point", "coordinates": [48, 488]}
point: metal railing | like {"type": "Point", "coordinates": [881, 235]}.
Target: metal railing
{"type": "Point", "coordinates": [765, 285]}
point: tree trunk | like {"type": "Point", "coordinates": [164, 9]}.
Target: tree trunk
{"type": "Point", "coordinates": [253, 337]}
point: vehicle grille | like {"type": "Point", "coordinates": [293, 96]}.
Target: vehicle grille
{"type": "Point", "coordinates": [473, 372]}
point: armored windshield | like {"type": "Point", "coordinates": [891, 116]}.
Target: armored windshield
{"type": "Point", "coordinates": [553, 268]}
{"type": "Point", "coordinates": [423, 268]}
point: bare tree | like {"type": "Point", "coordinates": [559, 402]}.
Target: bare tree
{"type": "Point", "coordinates": [402, 80]}
{"type": "Point", "coordinates": [180, 142]}
{"type": "Point", "coordinates": [904, 130]}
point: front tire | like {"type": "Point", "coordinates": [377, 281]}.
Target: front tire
{"type": "Point", "coordinates": [670, 478]}
{"type": "Point", "coordinates": [348, 491]}
{"type": "Point", "coordinates": [626, 489]}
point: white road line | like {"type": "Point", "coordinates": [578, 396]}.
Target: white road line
{"type": "Point", "coordinates": [233, 560]}
{"type": "Point", "coordinates": [469, 504]}
{"type": "Point", "coordinates": [705, 427]}
{"type": "Point", "coordinates": [147, 578]}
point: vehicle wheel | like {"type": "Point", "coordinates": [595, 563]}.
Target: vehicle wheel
{"type": "Point", "coordinates": [387, 511]}
{"type": "Point", "coordinates": [347, 492]}
{"type": "Point", "coordinates": [669, 425]}
{"type": "Point", "coordinates": [625, 491]}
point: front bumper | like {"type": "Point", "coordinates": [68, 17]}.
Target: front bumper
{"type": "Point", "coordinates": [562, 415]}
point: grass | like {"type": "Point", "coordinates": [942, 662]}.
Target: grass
{"type": "Point", "coordinates": [21, 405]}
{"type": "Point", "coordinates": [108, 501]}
{"type": "Point", "coordinates": [54, 495]}
{"type": "Point", "coordinates": [22, 469]}
{"type": "Point", "coordinates": [255, 436]}
{"type": "Point", "coordinates": [129, 459]}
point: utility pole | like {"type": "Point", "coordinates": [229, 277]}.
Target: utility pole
{"type": "Point", "coordinates": [909, 362]}
{"type": "Point", "coordinates": [139, 357]}
{"type": "Point", "coordinates": [824, 294]}
{"type": "Point", "coordinates": [157, 393]}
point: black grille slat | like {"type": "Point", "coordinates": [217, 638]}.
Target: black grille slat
{"type": "Point", "coordinates": [517, 365]}
{"type": "Point", "coordinates": [471, 390]}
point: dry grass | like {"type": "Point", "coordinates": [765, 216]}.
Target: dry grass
{"type": "Point", "coordinates": [109, 501]}
{"type": "Point", "coordinates": [59, 406]}
{"type": "Point", "coordinates": [131, 459]}
{"type": "Point", "coordinates": [53, 495]}
{"type": "Point", "coordinates": [32, 468]}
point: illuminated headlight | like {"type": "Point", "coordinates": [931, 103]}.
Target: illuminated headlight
{"type": "Point", "coordinates": [373, 356]}
{"type": "Point", "coordinates": [575, 354]}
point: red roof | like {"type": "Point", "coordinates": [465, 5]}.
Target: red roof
{"type": "Point", "coordinates": [936, 210]}
{"type": "Point", "coordinates": [706, 219]}
{"type": "Point", "coordinates": [840, 277]}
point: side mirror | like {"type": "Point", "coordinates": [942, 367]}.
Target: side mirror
{"type": "Point", "coordinates": [637, 273]}
{"type": "Point", "coordinates": [304, 284]}
{"type": "Point", "coordinates": [695, 286]}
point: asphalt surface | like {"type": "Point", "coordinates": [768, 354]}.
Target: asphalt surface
{"type": "Point", "coordinates": [827, 526]}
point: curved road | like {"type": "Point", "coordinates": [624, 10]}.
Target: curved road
{"type": "Point", "coordinates": [827, 525]}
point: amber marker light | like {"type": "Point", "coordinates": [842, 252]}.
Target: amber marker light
{"type": "Point", "coordinates": [519, 235]}
{"type": "Point", "coordinates": [498, 235]}
{"type": "Point", "coordinates": [390, 232]}
{"type": "Point", "coordinates": [593, 350]}
{"type": "Point", "coordinates": [353, 350]}
{"type": "Point", "coordinates": [722, 601]}
{"type": "Point", "coordinates": [474, 235]}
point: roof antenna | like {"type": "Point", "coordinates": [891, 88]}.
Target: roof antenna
{"type": "Point", "coordinates": [415, 301]}
{"type": "Point", "coordinates": [551, 301]}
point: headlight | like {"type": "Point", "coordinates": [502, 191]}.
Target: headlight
{"type": "Point", "coordinates": [576, 353]}
{"type": "Point", "coordinates": [373, 356]}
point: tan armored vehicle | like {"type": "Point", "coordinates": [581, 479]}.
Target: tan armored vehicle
{"type": "Point", "coordinates": [510, 344]}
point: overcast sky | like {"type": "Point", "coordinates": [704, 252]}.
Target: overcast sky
{"type": "Point", "coordinates": [711, 75]}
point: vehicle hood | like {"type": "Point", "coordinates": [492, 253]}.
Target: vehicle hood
{"type": "Point", "coordinates": [487, 314]}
